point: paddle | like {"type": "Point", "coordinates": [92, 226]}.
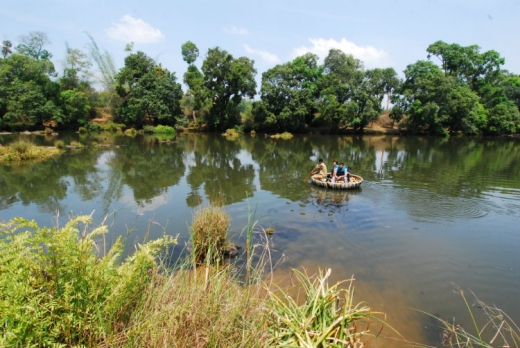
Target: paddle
{"type": "Point", "coordinates": [307, 176]}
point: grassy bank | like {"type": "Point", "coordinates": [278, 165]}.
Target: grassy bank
{"type": "Point", "coordinates": [20, 151]}
{"type": "Point", "coordinates": [59, 287]}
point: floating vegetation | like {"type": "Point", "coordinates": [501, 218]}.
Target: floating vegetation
{"type": "Point", "coordinates": [20, 151]}
{"type": "Point", "coordinates": [284, 135]}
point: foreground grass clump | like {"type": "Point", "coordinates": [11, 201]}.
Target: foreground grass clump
{"type": "Point", "coordinates": [20, 151]}
{"type": "Point", "coordinates": [209, 231]}
{"type": "Point", "coordinates": [54, 289]}
{"type": "Point", "coordinates": [328, 316]}
{"type": "Point", "coordinates": [205, 307]}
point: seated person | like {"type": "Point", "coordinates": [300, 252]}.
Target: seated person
{"type": "Point", "coordinates": [341, 174]}
{"type": "Point", "coordinates": [333, 169]}
{"type": "Point", "coordinates": [320, 170]}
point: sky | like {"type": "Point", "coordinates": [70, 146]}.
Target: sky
{"type": "Point", "coordinates": [391, 33]}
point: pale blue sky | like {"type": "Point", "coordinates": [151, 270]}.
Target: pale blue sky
{"type": "Point", "coordinates": [391, 33]}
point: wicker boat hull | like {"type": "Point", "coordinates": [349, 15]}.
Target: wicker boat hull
{"type": "Point", "coordinates": [355, 182]}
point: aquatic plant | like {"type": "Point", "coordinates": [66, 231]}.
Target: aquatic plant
{"type": "Point", "coordinates": [59, 144]}
{"type": "Point", "coordinates": [209, 231]}
{"type": "Point", "coordinates": [21, 151]}
{"type": "Point", "coordinates": [499, 329]}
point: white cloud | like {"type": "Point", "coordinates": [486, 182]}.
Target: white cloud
{"type": "Point", "coordinates": [134, 29]}
{"type": "Point", "coordinates": [369, 55]}
{"type": "Point", "coordinates": [266, 56]}
{"type": "Point", "coordinates": [235, 31]}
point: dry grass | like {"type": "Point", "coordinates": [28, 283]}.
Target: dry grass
{"type": "Point", "coordinates": [201, 308]}
{"type": "Point", "coordinates": [209, 231]}
{"type": "Point", "coordinates": [21, 151]}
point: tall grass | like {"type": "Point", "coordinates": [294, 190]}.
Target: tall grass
{"type": "Point", "coordinates": [499, 329]}
{"type": "Point", "coordinates": [328, 316]}
{"type": "Point", "coordinates": [209, 231]}
{"type": "Point", "coordinates": [20, 151]}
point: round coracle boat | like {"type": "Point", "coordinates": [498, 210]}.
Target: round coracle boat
{"type": "Point", "coordinates": [354, 182]}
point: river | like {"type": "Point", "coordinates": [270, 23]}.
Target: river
{"type": "Point", "coordinates": [432, 214]}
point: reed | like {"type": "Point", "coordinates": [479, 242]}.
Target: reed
{"type": "Point", "coordinates": [209, 231]}
{"type": "Point", "coordinates": [498, 330]}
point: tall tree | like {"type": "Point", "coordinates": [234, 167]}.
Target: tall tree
{"type": "Point", "coordinates": [6, 48]}
{"type": "Point", "coordinates": [27, 94]}
{"type": "Point", "coordinates": [33, 44]}
{"type": "Point", "coordinates": [289, 92]}
{"type": "Point", "coordinates": [193, 78]}
{"type": "Point", "coordinates": [226, 81]}
{"type": "Point", "coordinates": [149, 92]}
{"type": "Point", "coordinates": [77, 68]}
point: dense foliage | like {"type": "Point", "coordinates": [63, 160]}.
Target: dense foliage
{"type": "Point", "coordinates": [466, 92]}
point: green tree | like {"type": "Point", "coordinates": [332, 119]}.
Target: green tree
{"type": "Point", "coordinates": [342, 74]}
{"type": "Point", "coordinates": [226, 81]}
{"type": "Point", "coordinates": [193, 78]}
{"type": "Point", "coordinates": [288, 95]}
{"type": "Point", "coordinates": [190, 52]}
{"type": "Point", "coordinates": [149, 92]}
{"type": "Point", "coordinates": [33, 44]}
{"type": "Point", "coordinates": [467, 64]}
{"type": "Point", "coordinates": [77, 69]}
{"type": "Point", "coordinates": [75, 107]}
{"type": "Point", "coordinates": [27, 94]}
{"type": "Point", "coordinates": [6, 48]}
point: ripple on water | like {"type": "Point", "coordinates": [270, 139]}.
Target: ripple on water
{"type": "Point", "coordinates": [430, 205]}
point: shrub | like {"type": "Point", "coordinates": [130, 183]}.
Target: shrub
{"type": "Point", "coordinates": [48, 131]}
{"type": "Point", "coordinates": [82, 130]}
{"type": "Point", "coordinates": [131, 132]}
{"type": "Point", "coordinates": [76, 144]}
{"type": "Point", "coordinates": [149, 129]}
{"type": "Point", "coordinates": [164, 129]}
{"type": "Point", "coordinates": [55, 290]}
{"type": "Point", "coordinates": [113, 127]}
{"type": "Point", "coordinates": [209, 232]}
{"type": "Point", "coordinates": [59, 144]}
{"type": "Point", "coordinates": [94, 127]}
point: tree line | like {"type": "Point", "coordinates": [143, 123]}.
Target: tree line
{"type": "Point", "coordinates": [456, 89]}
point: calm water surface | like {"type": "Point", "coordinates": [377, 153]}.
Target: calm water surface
{"type": "Point", "coordinates": [431, 214]}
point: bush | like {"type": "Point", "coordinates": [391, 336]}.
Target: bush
{"type": "Point", "coordinates": [48, 131]}
{"type": "Point", "coordinates": [113, 127]}
{"type": "Point", "coordinates": [149, 129]}
{"type": "Point", "coordinates": [59, 144]}
{"type": "Point", "coordinates": [21, 146]}
{"type": "Point", "coordinates": [82, 130]}
{"type": "Point", "coordinates": [164, 129]}
{"type": "Point", "coordinates": [55, 289]}
{"type": "Point", "coordinates": [93, 127]}
{"type": "Point", "coordinates": [131, 132]}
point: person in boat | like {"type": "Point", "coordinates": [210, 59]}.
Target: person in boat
{"type": "Point", "coordinates": [341, 174]}
{"type": "Point", "coordinates": [333, 169]}
{"type": "Point", "coordinates": [320, 171]}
